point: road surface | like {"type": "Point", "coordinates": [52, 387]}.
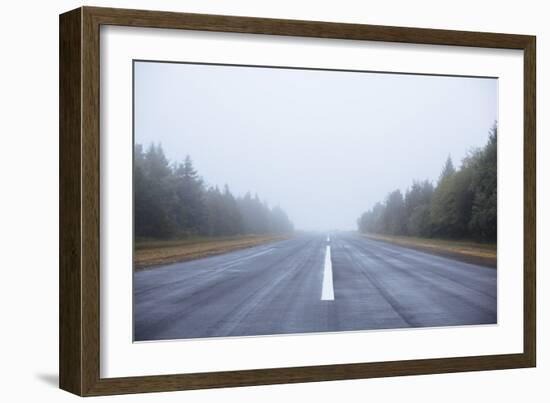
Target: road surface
{"type": "Point", "coordinates": [311, 283]}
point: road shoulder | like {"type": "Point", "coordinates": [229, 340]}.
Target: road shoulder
{"type": "Point", "coordinates": [468, 252]}
{"type": "Point", "coordinates": [158, 253]}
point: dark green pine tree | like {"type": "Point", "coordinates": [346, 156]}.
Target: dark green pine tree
{"type": "Point", "coordinates": [153, 194]}
{"type": "Point", "coordinates": [190, 204]}
{"type": "Point", "coordinates": [447, 171]}
{"type": "Point", "coordinates": [483, 222]}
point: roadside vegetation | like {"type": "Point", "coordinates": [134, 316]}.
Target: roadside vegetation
{"type": "Point", "coordinates": [160, 252]}
{"type": "Point", "coordinates": [484, 254]}
{"type": "Point", "coordinates": [462, 205]}
{"type": "Point", "coordinates": [175, 208]}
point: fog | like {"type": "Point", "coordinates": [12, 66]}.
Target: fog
{"type": "Point", "coordinates": [324, 145]}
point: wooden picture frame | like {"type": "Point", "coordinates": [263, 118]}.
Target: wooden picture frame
{"type": "Point", "coordinates": [79, 200]}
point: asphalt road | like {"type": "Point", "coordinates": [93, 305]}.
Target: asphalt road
{"type": "Point", "coordinates": [300, 285]}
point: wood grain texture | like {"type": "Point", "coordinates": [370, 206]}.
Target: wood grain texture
{"type": "Point", "coordinates": [80, 196]}
{"type": "Point", "coordinates": [316, 29]}
{"type": "Point", "coordinates": [70, 271]}
{"type": "Point", "coordinates": [90, 201]}
{"type": "Point", "coordinates": [530, 202]}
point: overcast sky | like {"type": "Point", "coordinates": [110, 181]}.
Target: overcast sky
{"type": "Point", "coordinates": [324, 145]}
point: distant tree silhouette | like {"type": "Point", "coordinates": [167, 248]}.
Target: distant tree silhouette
{"type": "Point", "coordinates": [463, 204]}
{"type": "Point", "coordinates": [394, 215]}
{"type": "Point", "coordinates": [417, 208]}
{"type": "Point", "coordinates": [447, 171]}
{"type": "Point", "coordinates": [172, 201]}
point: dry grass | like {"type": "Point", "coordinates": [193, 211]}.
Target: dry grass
{"type": "Point", "coordinates": [468, 251]}
{"type": "Point", "coordinates": [156, 253]}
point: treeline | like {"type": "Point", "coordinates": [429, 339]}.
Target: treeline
{"type": "Point", "coordinates": [463, 203]}
{"type": "Point", "coordinates": [173, 201]}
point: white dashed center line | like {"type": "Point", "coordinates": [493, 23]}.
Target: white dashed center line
{"type": "Point", "coordinates": [328, 287]}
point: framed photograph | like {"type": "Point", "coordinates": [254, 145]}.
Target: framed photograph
{"type": "Point", "coordinates": [249, 201]}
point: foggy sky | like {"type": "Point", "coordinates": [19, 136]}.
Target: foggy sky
{"type": "Point", "coordinates": [323, 145]}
